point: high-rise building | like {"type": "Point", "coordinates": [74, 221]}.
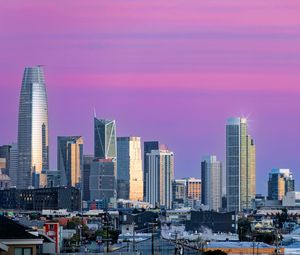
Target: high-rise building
{"type": "Point", "coordinates": [179, 193]}
{"type": "Point", "coordinates": [211, 176]}
{"type": "Point", "coordinates": [70, 159]}
{"type": "Point", "coordinates": [280, 182]}
{"type": "Point", "coordinates": [148, 147]}
{"type": "Point", "coordinates": [103, 180]}
{"type": "Point", "coordinates": [105, 142]}
{"type": "Point", "coordinates": [5, 154]}
{"type": "Point", "coordinates": [240, 165]}
{"type": "Point", "coordinates": [33, 129]}
{"type": "Point", "coordinates": [87, 162]}
{"type": "Point", "coordinates": [160, 178]}
{"type": "Point", "coordinates": [129, 164]}
{"type": "Point", "coordinates": [13, 165]}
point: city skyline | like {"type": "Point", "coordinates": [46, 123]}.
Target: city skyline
{"type": "Point", "coordinates": [261, 83]}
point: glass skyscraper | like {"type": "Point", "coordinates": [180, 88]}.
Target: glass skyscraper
{"type": "Point", "coordinates": [33, 150]}
{"type": "Point", "coordinates": [105, 139]}
{"type": "Point", "coordinates": [240, 165]}
{"type": "Point", "coordinates": [130, 172]}
{"type": "Point", "coordinates": [70, 159]}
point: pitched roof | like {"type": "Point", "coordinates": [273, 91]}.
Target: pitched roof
{"type": "Point", "coordinates": [12, 230]}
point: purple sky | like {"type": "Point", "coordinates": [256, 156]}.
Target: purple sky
{"type": "Point", "coordinates": [167, 70]}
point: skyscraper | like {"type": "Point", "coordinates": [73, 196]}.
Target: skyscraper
{"type": "Point", "coordinates": [211, 175]}
{"type": "Point", "coordinates": [160, 178]}
{"type": "Point", "coordinates": [105, 142]}
{"type": "Point", "coordinates": [70, 159]}
{"type": "Point", "coordinates": [240, 165]}
{"type": "Point", "coordinates": [33, 148]}
{"type": "Point", "coordinates": [87, 162]}
{"type": "Point", "coordinates": [13, 165]}
{"type": "Point", "coordinates": [130, 173]}
{"type": "Point", "coordinates": [148, 147]}
{"type": "Point", "coordinates": [280, 182]}
{"type": "Point", "coordinates": [103, 180]}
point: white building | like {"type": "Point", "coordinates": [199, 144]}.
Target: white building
{"type": "Point", "coordinates": [291, 199]}
{"type": "Point", "coordinates": [160, 177]}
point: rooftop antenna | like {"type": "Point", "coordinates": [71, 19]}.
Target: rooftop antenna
{"type": "Point", "coordinates": [95, 115]}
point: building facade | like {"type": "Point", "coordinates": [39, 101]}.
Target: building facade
{"type": "Point", "coordinates": [160, 178]}
{"type": "Point", "coordinates": [105, 141]}
{"type": "Point", "coordinates": [103, 180]}
{"type": "Point", "coordinates": [240, 165]}
{"type": "Point", "coordinates": [33, 149]}
{"type": "Point", "coordinates": [87, 161]}
{"type": "Point", "coordinates": [148, 147]}
{"type": "Point", "coordinates": [130, 172]}
{"type": "Point", "coordinates": [13, 164]}
{"type": "Point", "coordinates": [211, 176]}
{"type": "Point", "coordinates": [280, 182]}
{"type": "Point", "coordinates": [70, 160]}
{"type": "Point", "coordinates": [5, 154]}
{"type": "Point", "coordinates": [179, 193]}
{"type": "Point", "coordinates": [39, 199]}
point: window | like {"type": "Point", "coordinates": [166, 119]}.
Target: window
{"type": "Point", "coordinates": [23, 251]}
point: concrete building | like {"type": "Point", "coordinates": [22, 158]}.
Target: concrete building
{"type": "Point", "coordinates": [160, 178]}
{"type": "Point", "coordinates": [70, 159]}
{"type": "Point", "coordinates": [280, 182]}
{"type": "Point", "coordinates": [5, 181]}
{"type": "Point", "coordinates": [38, 199]}
{"type": "Point", "coordinates": [291, 199]}
{"type": "Point", "coordinates": [179, 193]}
{"type": "Point", "coordinates": [211, 175]}
{"type": "Point", "coordinates": [130, 172]}
{"type": "Point", "coordinates": [240, 165]}
{"type": "Point", "coordinates": [53, 178]}
{"type": "Point", "coordinates": [103, 180]}
{"type": "Point", "coordinates": [193, 191]}
{"type": "Point", "coordinates": [33, 149]}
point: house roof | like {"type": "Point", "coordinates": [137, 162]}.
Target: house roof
{"type": "Point", "coordinates": [13, 230]}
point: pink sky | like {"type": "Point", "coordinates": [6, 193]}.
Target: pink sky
{"type": "Point", "coordinates": [167, 70]}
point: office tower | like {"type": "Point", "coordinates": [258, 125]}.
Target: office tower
{"type": "Point", "coordinates": [5, 181]}
{"type": "Point", "coordinates": [211, 175]}
{"type": "Point", "coordinates": [87, 161]}
{"type": "Point", "coordinates": [148, 147]}
{"type": "Point", "coordinates": [13, 165]}
{"type": "Point", "coordinates": [70, 159]}
{"type": "Point", "coordinates": [53, 178]}
{"type": "Point", "coordinates": [129, 165]}
{"type": "Point", "coordinates": [103, 180]}
{"type": "Point", "coordinates": [105, 142]}
{"type": "Point", "coordinates": [32, 129]}
{"type": "Point", "coordinates": [194, 189]}
{"type": "Point", "coordinates": [280, 182]}
{"type": "Point", "coordinates": [5, 154]}
{"type": "Point", "coordinates": [240, 165]}
{"type": "Point", "coordinates": [179, 193]}
{"type": "Point", "coordinates": [159, 178]}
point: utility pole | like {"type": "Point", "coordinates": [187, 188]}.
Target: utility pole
{"type": "Point", "coordinates": [133, 241]}
{"type": "Point", "coordinates": [152, 237]}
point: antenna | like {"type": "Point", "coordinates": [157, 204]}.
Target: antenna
{"type": "Point", "coordinates": [95, 115]}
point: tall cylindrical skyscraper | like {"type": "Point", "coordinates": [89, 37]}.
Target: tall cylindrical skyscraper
{"type": "Point", "coordinates": [33, 151]}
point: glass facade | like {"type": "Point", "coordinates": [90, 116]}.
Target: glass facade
{"type": "Point", "coordinates": [130, 173]}
{"type": "Point", "coordinates": [105, 139]}
{"type": "Point", "coordinates": [70, 159]}
{"type": "Point", "coordinates": [33, 149]}
{"type": "Point", "coordinates": [240, 165]}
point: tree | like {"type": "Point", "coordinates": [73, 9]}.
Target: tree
{"type": "Point", "coordinates": [244, 229]}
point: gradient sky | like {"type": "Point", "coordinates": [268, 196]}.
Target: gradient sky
{"type": "Point", "coordinates": [167, 70]}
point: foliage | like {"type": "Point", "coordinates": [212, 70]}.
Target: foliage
{"type": "Point", "coordinates": [244, 229]}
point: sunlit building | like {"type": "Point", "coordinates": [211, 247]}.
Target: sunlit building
{"type": "Point", "coordinates": [280, 182]}
{"type": "Point", "coordinates": [160, 178]}
{"type": "Point", "coordinates": [130, 173]}
{"type": "Point", "coordinates": [240, 165]}
{"type": "Point", "coordinates": [33, 151]}
{"type": "Point", "coordinates": [70, 160]}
